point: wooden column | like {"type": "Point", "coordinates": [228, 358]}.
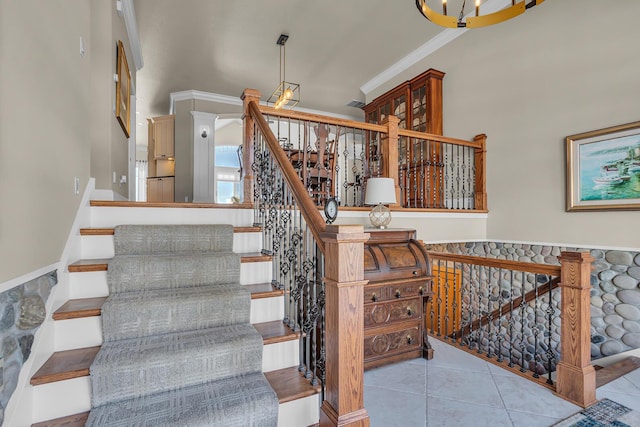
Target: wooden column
{"type": "Point", "coordinates": [576, 380]}
{"type": "Point", "coordinates": [344, 278]}
{"type": "Point", "coordinates": [248, 143]}
{"type": "Point", "coordinates": [481, 172]}
{"type": "Point", "coordinates": [390, 153]}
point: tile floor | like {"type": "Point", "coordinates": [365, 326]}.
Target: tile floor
{"type": "Point", "coordinates": [459, 389]}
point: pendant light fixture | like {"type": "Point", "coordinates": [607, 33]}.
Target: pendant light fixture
{"type": "Point", "coordinates": [444, 20]}
{"type": "Point", "coordinates": [287, 94]}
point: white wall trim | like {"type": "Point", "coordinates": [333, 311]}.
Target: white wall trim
{"type": "Point", "coordinates": [20, 409]}
{"type": "Point", "coordinates": [442, 39]}
{"type": "Point", "coordinates": [29, 276]}
{"type": "Point", "coordinates": [235, 100]}
{"type": "Point", "coordinates": [132, 31]}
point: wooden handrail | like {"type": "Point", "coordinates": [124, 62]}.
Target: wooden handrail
{"type": "Point", "coordinates": [308, 209]}
{"type": "Point", "coordinates": [438, 138]}
{"type": "Point", "coordinates": [528, 297]}
{"type": "Point", "coordinates": [528, 267]}
{"type": "Point", "coordinates": [297, 115]}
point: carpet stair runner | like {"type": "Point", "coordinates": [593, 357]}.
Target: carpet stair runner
{"type": "Point", "coordinates": [178, 347]}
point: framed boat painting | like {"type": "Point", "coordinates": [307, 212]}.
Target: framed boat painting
{"type": "Point", "coordinates": [603, 169]}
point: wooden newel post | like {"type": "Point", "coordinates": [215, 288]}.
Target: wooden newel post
{"type": "Point", "coordinates": [248, 143]}
{"type": "Point", "coordinates": [576, 380]}
{"type": "Point", "coordinates": [481, 172]}
{"type": "Point", "coordinates": [344, 302]}
{"type": "Point", "coordinates": [390, 153]}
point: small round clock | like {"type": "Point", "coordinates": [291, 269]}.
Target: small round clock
{"type": "Point", "coordinates": [331, 209]}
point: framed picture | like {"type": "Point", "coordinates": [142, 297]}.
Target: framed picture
{"type": "Point", "coordinates": [123, 90]}
{"type": "Point", "coordinates": [603, 169]}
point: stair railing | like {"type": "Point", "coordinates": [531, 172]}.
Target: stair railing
{"type": "Point", "coordinates": [334, 158]}
{"type": "Point", "coordinates": [530, 318]}
{"type": "Point", "coordinates": [320, 267]}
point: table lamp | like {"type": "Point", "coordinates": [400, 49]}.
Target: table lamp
{"type": "Point", "coordinates": [380, 191]}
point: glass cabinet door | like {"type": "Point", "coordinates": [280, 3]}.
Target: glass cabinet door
{"type": "Point", "coordinates": [400, 110]}
{"type": "Point", "coordinates": [419, 109]}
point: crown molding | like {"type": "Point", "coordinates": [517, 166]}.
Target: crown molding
{"type": "Point", "coordinates": [130, 23]}
{"type": "Point", "coordinates": [235, 100]}
{"type": "Point", "coordinates": [440, 40]}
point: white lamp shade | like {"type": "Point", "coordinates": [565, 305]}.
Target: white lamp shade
{"type": "Point", "coordinates": [380, 190]}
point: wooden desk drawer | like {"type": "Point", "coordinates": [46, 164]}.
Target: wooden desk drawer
{"type": "Point", "coordinates": [386, 343]}
{"type": "Point", "coordinates": [373, 293]}
{"type": "Point", "coordinates": [391, 311]}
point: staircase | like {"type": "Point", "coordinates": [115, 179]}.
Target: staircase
{"type": "Point", "coordinates": [61, 386]}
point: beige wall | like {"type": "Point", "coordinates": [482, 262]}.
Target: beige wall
{"type": "Point", "coordinates": [564, 67]}
{"type": "Point", "coordinates": [44, 128]}
{"type": "Point", "coordinates": [183, 147]}
{"type": "Point", "coordinates": [109, 145]}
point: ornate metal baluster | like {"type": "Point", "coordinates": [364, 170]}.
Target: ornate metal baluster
{"type": "Point", "coordinates": [448, 194]}
{"type": "Point", "coordinates": [490, 316]}
{"type": "Point", "coordinates": [511, 321]}
{"type": "Point", "coordinates": [472, 181]}
{"type": "Point", "coordinates": [550, 353]}
{"type": "Point", "coordinates": [474, 289]}
{"type": "Point", "coordinates": [500, 302]}
{"type": "Point", "coordinates": [446, 299]}
{"type": "Point", "coordinates": [454, 305]}
{"type": "Point", "coordinates": [536, 329]}
{"type": "Point", "coordinates": [480, 309]}
{"type": "Point", "coordinates": [439, 298]}
{"type": "Point", "coordinates": [523, 317]}
{"type": "Point", "coordinates": [422, 183]}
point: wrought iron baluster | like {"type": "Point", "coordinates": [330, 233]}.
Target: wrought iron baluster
{"type": "Point", "coordinates": [472, 181]}
{"type": "Point", "coordinates": [550, 353]}
{"type": "Point", "coordinates": [523, 317]}
{"type": "Point", "coordinates": [499, 327]}
{"type": "Point", "coordinates": [490, 333]}
{"type": "Point", "coordinates": [536, 329]}
{"type": "Point", "coordinates": [439, 298]}
{"type": "Point", "coordinates": [454, 305]}
{"type": "Point", "coordinates": [511, 321]}
{"type": "Point", "coordinates": [446, 300]}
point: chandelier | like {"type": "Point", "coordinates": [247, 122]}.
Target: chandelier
{"type": "Point", "coordinates": [287, 94]}
{"type": "Point", "coordinates": [442, 19]}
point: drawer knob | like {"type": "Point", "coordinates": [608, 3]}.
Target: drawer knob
{"type": "Point", "coordinates": [409, 311]}
{"type": "Point", "coordinates": [398, 293]}
{"type": "Point", "coordinates": [421, 290]}
{"type": "Point", "coordinates": [409, 339]}
{"type": "Point", "coordinates": [374, 298]}
{"type": "Point", "coordinates": [415, 273]}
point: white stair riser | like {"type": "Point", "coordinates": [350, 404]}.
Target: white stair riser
{"type": "Point", "coordinates": [280, 355]}
{"type": "Point", "coordinates": [53, 401]}
{"type": "Point", "coordinates": [93, 247]}
{"type": "Point", "coordinates": [252, 273]}
{"type": "Point", "coordinates": [78, 333]}
{"type": "Point", "coordinates": [300, 412]}
{"type": "Point", "coordinates": [61, 398]}
{"type": "Point", "coordinates": [88, 285]}
{"type": "Point", "coordinates": [87, 331]}
{"type": "Point", "coordinates": [112, 216]}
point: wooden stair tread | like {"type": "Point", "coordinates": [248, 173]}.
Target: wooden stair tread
{"type": "Point", "coordinates": [78, 308]}
{"type": "Point", "coordinates": [289, 384]}
{"type": "Point", "coordinates": [68, 364]}
{"type": "Point", "coordinates": [275, 332]}
{"type": "Point", "coordinates": [90, 307]}
{"type": "Point", "coordinates": [65, 365]}
{"type": "Point", "coordinates": [87, 265]}
{"type": "Point", "coordinates": [613, 372]}
{"type": "Point", "coordinates": [254, 257]}
{"type": "Point", "coordinates": [264, 290]}
{"type": "Point", "coordinates": [111, 231]}
{"type": "Point", "coordinates": [75, 420]}
{"type": "Point", "coordinates": [96, 231]}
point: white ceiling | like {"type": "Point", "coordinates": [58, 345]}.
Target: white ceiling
{"type": "Point", "coordinates": [224, 46]}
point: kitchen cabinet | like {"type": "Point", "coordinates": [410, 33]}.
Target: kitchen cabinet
{"type": "Point", "coordinates": [161, 137]}
{"type": "Point", "coordinates": [160, 189]}
{"type": "Point", "coordinates": [399, 273]}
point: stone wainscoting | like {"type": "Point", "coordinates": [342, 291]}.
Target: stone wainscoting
{"type": "Point", "coordinates": [615, 287]}
{"type": "Point", "coordinates": [22, 311]}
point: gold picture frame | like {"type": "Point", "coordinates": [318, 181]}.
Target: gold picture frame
{"type": "Point", "coordinates": [123, 90]}
{"type": "Point", "coordinates": [603, 169]}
